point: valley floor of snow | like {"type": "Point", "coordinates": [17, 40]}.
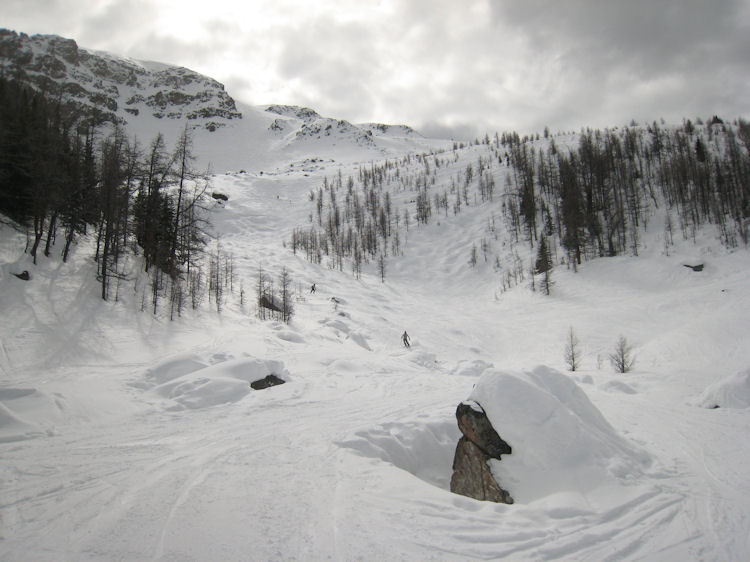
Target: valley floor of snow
{"type": "Point", "coordinates": [127, 436]}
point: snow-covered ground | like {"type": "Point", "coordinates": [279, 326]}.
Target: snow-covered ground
{"type": "Point", "coordinates": [125, 436]}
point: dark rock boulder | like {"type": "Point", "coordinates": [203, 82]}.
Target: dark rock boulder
{"type": "Point", "coordinates": [475, 425]}
{"type": "Point", "coordinates": [698, 267]}
{"type": "Point", "coordinates": [472, 477]}
{"type": "Point", "coordinates": [23, 276]}
{"type": "Point", "coordinates": [480, 443]}
{"type": "Point", "coordinates": [266, 382]}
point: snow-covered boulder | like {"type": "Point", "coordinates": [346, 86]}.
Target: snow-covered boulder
{"type": "Point", "coordinates": [730, 392]}
{"type": "Point", "coordinates": [560, 440]}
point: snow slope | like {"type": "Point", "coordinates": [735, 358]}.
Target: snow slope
{"type": "Point", "coordinates": [126, 436]}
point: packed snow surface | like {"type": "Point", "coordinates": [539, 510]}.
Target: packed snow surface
{"type": "Point", "coordinates": [127, 436]}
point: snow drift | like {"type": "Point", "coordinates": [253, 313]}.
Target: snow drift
{"type": "Point", "coordinates": [730, 392]}
{"type": "Point", "coordinates": [560, 440]}
{"type": "Point", "coordinates": [192, 382]}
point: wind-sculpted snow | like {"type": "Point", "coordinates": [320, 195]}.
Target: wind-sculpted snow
{"type": "Point", "coordinates": [561, 443]}
{"type": "Point", "coordinates": [189, 382]}
{"type": "Point", "coordinates": [730, 392]}
{"type": "Point", "coordinates": [421, 448]}
{"type": "Point", "coordinates": [26, 413]}
{"type": "Point", "coordinates": [471, 368]}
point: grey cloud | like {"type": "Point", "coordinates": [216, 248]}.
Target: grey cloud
{"type": "Point", "coordinates": [119, 26]}
{"type": "Point", "coordinates": [38, 16]}
{"type": "Point", "coordinates": [617, 49]}
{"type": "Point", "coordinates": [442, 65]}
{"type": "Point", "coordinates": [330, 66]}
{"type": "Point", "coordinates": [460, 132]}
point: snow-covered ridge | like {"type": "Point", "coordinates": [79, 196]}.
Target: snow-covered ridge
{"type": "Point", "coordinates": [118, 88]}
{"type": "Point", "coordinates": [297, 123]}
{"type": "Point", "coordinates": [147, 98]}
{"type": "Point", "coordinates": [310, 116]}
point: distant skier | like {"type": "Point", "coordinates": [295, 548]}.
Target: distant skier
{"type": "Point", "coordinates": [312, 289]}
{"type": "Point", "coordinates": [405, 339]}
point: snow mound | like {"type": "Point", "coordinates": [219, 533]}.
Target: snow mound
{"type": "Point", "coordinates": [471, 368]}
{"type": "Point", "coordinates": [175, 367]}
{"type": "Point", "coordinates": [223, 383]}
{"type": "Point", "coordinates": [13, 428]}
{"type": "Point", "coordinates": [618, 386]}
{"type": "Point", "coordinates": [424, 359]}
{"type": "Point", "coordinates": [560, 440]}
{"type": "Point", "coordinates": [424, 449]}
{"type": "Point", "coordinates": [25, 412]}
{"type": "Point", "coordinates": [730, 392]}
{"type": "Point", "coordinates": [360, 340]}
{"type": "Point", "coordinates": [292, 337]}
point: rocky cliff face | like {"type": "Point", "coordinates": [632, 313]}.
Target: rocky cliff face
{"type": "Point", "coordinates": [102, 87]}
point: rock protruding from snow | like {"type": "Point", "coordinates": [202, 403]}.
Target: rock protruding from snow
{"type": "Point", "coordinates": [473, 423]}
{"type": "Point", "coordinates": [302, 113]}
{"type": "Point", "coordinates": [730, 392]}
{"type": "Point", "coordinates": [698, 267]}
{"type": "Point", "coordinates": [480, 443]}
{"type": "Point", "coordinates": [472, 476]}
{"type": "Point", "coordinates": [561, 442]}
{"type": "Point", "coordinates": [266, 382]}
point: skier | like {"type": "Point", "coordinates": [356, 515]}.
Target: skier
{"type": "Point", "coordinates": [312, 289]}
{"type": "Point", "coordinates": [405, 339]}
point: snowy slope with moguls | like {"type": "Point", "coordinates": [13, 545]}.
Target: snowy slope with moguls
{"type": "Point", "coordinates": [124, 435]}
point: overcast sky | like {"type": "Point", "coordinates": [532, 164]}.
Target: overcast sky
{"type": "Point", "coordinates": [454, 67]}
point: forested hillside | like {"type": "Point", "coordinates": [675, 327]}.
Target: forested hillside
{"type": "Point", "coordinates": [590, 195]}
{"type": "Point", "coordinates": [63, 180]}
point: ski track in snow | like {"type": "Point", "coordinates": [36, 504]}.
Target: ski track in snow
{"type": "Point", "coordinates": [350, 459]}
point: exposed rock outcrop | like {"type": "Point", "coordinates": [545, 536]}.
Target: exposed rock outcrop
{"type": "Point", "coordinates": [475, 425]}
{"type": "Point", "coordinates": [110, 88]}
{"type": "Point", "coordinates": [480, 442]}
{"type": "Point", "coordinates": [266, 382]}
{"type": "Point", "coordinates": [472, 476]}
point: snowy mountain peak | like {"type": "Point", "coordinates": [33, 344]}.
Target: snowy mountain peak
{"type": "Point", "coordinates": [148, 98]}
{"type": "Point", "coordinates": [394, 130]}
{"type": "Point", "coordinates": [302, 113]}
{"type": "Point", "coordinates": [114, 89]}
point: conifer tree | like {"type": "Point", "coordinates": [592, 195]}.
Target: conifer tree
{"type": "Point", "coordinates": [544, 264]}
{"type": "Point", "coordinates": [572, 353]}
{"type": "Point", "coordinates": [622, 358]}
{"type": "Point", "coordinates": [287, 307]}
